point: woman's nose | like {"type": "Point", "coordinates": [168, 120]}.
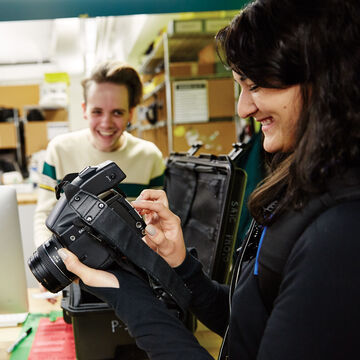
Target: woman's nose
{"type": "Point", "coordinates": [246, 106]}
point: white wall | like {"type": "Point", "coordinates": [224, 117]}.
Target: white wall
{"type": "Point", "coordinates": [76, 119]}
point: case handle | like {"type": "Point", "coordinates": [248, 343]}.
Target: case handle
{"type": "Point", "coordinates": [194, 148]}
{"type": "Point", "coordinates": [238, 148]}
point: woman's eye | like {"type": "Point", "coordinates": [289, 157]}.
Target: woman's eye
{"type": "Point", "coordinates": [253, 87]}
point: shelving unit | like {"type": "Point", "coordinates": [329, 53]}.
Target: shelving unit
{"type": "Point", "coordinates": [183, 47]}
{"type": "Point", "coordinates": [10, 142]}
{"type": "Point", "coordinates": [174, 49]}
{"type": "Point", "coordinates": [20, 137]}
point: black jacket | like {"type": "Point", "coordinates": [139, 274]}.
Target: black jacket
{"type": "Point", "coordinates": [316, 314]}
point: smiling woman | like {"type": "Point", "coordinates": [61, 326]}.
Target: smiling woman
{"type": "Point", "coordinates": [301, 244]}
{"type": "Point", "coordinates": [277, 110]}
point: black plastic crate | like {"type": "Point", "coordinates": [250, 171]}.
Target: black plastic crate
{"type": "Point", "coordinates": [98, 333]}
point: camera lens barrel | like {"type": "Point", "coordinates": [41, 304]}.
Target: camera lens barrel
{"type": "Point", "coordinates": [48, 268]}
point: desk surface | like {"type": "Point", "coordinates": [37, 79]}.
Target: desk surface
{"type": "Point", "coordinates": [26, 198]}
{"type": "Point", "coordinates": [206, 338]}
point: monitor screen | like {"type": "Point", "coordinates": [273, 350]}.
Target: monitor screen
{"type": "Point", "coordinates": [13, 288]}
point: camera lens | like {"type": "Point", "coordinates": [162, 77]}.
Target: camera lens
{"type": "Point", "coordinates": [48, 268]}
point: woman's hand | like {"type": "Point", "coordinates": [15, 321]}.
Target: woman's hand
{"type": "Point", "coordinates": [163, 232]}
{"type": "Point", "coordinates": [89, 276]}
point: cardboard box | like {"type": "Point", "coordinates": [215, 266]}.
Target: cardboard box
{"type": "Point", "coordinates": [36, 138]}
{"type": "Point", "coordinates": [7, 136]}
{"type": "Point", "coordinates": [178, 69]}
{"type": "Point", "coordinates": [39, 133]}
{"type": "Point", "coordinates": [190, 68]}
{"type": "Point", "coordinates": [205, 69]}
{"type": "Point", "coordinates": [207, 55]}
{"type": "Point", "coordinates": [18, 96]}
{"type": "Point", "coordinates": [56, 115]}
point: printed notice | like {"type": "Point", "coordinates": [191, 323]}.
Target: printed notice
{"type": "Point", "coordinates": [190, 101]}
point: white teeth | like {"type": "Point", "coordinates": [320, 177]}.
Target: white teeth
{"type": "Point", "coordinates": [106, 133]}
{"type": "Point", "coordinates": [266, 122]}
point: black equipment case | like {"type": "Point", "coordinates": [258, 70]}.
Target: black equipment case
{"type": "Point", "coordinates": [98, 333]}
{"type": "Point", "coordinates": [206, 192]}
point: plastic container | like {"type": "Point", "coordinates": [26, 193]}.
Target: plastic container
{"type": "Point", "coordinates": [98, 333]}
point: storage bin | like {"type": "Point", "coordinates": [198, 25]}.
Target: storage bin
{"type": "Point", "coordinates": [98, 333]}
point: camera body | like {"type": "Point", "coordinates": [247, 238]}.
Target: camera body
{"type": "Point", "coordinates": [71, 232]}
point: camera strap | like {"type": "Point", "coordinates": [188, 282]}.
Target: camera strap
{"type": "Point", "coordinates": [122, 237]}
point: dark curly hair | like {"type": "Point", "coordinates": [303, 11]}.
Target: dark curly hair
{"type": "Point", "coordinates": [316, 44]}
{"type": "Point", "coordinates": [118, 73]}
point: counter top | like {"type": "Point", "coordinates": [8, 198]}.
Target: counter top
{"type": "Point", "coordinates": [26, 198]}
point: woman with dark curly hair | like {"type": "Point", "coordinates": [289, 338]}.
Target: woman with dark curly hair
{"type": "Point", "coordinates": [295, 291]}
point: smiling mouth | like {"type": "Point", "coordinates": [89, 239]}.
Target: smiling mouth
{"type": "Point", "coordinates": [265, 121]}
{"type": "Point", "coordinates": [107, 133]}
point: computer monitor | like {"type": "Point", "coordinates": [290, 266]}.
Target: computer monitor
{"type": "Point", "coordinates": [13, 287]}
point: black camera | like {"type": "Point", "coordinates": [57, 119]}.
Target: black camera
{"type": "Point", "coordinates": [93, 219]}
{"type": "Point", "coordinates": [71, 232]}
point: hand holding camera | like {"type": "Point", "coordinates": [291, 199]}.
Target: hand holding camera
{"type": "Point", "coordinates": [89, 276]}
{"type": "Point", "coordinates": [95, 222]}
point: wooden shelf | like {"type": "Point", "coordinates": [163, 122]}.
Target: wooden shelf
{"type": "Point", "coordinates": [154, 91]}
{"type": "Point", "coordinates": [184, 47]}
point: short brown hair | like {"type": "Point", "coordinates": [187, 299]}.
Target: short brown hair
{"type": "Point", "coordinates": [118, 73]}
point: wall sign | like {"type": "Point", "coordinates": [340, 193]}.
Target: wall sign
{"type": "Point", "coordinates": [190, 101]}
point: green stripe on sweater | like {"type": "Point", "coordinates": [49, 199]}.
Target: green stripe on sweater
{"type": "Point", "coordinates": [158, 181]}
{"type": "Point", "coordinates": [49, 170]}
